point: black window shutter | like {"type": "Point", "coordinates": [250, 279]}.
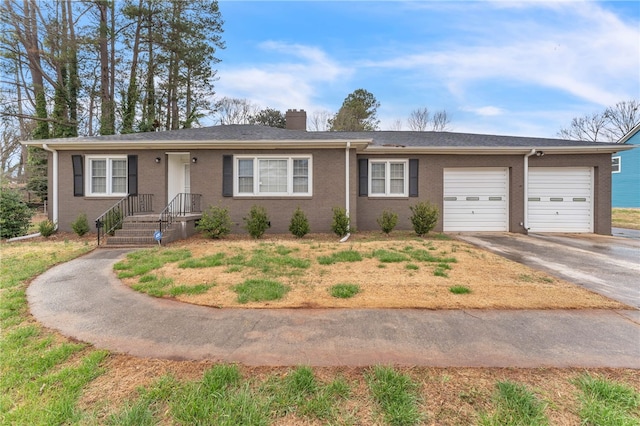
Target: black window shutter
{"type": "Point", "coordinates": [413, 177]}
{"type": "Point", "coordinates": [132, 174]}
{"type": "Point", "coordinates": [227, 175]}
{"type": "Point", "coordinates": [363, 177]}
{"type": "Point", "coordinates": [78, 175]}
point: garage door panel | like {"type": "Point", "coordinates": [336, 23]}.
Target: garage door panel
{"type": "Point", "coordinates": [475, 199]}
{"type": "Point", "coordinates": [560, 199]}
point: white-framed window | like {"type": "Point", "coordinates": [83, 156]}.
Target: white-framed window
{"type": "Point", "coordinates": [273, 176]}
{"type": "Point", "coordinates": [106, 175]}
{"type": "Point", "coordinates": [388, 178]}
{"type": "Point", "coordinates": [616, 164]}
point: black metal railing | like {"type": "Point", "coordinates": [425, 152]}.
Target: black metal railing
{"type": "Point", "coordinates": [111, 220]}
{"type": "Point", "coordinates": [181, 205]}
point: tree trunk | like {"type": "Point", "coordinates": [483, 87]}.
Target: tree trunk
{"type": "Point", "coordinates": [107, 119]}
{"type": "Point", "coordinates": [131, 99]}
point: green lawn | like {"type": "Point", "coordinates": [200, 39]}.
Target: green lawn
{"type": "Point", "coordinates": [44, 376]}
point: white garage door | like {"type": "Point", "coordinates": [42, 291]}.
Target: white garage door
{"type": "Point", "coordinates": [475, 199]}
{"type": "Point", "coordinates": [560, 199]}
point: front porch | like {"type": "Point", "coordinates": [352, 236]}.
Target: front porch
{"type": "Point", "coordinates": [132, 222]}
{"type": "Point", "coordinates": [141, 229]}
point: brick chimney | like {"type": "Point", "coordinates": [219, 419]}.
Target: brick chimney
{"type": "Point", "coordinates": [296, 119]}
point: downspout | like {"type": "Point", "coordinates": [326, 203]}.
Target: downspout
{"type": "Point", "coordinates": [347, 188]}
{"type": "Point", "coordinates": [55, 184]}
{"type": "Point", "coordinates": [525, 223]}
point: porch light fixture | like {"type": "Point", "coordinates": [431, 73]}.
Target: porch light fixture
{"type": "Point", "coordinates": [194, 160]}
{"type": "Point", "coordinates": [539, 153]}
{"type": "Point", "coordinates": [157, 159]}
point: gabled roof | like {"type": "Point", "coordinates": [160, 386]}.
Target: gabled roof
{"type": "Point", "coordinates": [631, 134]}
{"type": "Point", "coordinates": [262, 137]}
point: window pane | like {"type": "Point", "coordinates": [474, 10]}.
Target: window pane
{"type": "Point", "coordinates": [245, 176]}
{"type": "Point", "coordinates": [245, 168]}
{"type": "Point", "coordinates": [396, 171]}
{"type": "Point", "coordinates": [396, 186]}
{"type": "Point", "coordinates": [300, 176]}
{"type": "Point", "coordinates": [377, 170]}
{"type": "Point", "coordinates": [119, 176]}
{"type": "Point", "coordinates": [396, 183]}
{"type": "Point", "coordinates": [99, 176]}
{"type": "Point", "coordinates": [377, 186]}
{"type": "Point", "coordinates": [273, 175]}
{"type": "Point", "coordinates": [300, 185]}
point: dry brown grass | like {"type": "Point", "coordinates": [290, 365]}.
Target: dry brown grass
{"type": "Point", "coordinates": [450, 396]}
{"type": "Point", "coordinates": [495, 282]}
{"type": "Point", "coordinates": [626, 218]}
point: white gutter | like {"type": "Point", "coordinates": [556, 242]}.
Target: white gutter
{"type": "Point", "coordinates": [54, 183]}
{"type": "Point", "coordinates": [525, 223]}
{"type": "Point", "coordinates": [347, 187]}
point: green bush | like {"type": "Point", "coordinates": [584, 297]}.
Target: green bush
{"type": "Point", "coordinates": [387, 221]}
{"type": "Point", "coordinates": [15, 215]}
{"type": "Point", "coordinates": [424, 217]}
{"type": "Point", "coordinates": [299, 224]}
{"type": "Point", "coordinates": [46, 228]}
{"type": "Point", "coordinates": [215, 222]}
{"type": "Point", "coordinates": [340, 224]}
{"type": "Point", "coordinates": [81, 225]}
{"type": "Point", "coordinates": [257, 222]}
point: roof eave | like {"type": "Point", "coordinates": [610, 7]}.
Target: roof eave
{"type": "Point", "coordinates": [69, 144]}
{"type": "Point", "coordinates": [495, 150]}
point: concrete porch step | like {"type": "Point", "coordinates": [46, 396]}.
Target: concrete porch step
{"type": "Point", "coordinates": [139, 230]}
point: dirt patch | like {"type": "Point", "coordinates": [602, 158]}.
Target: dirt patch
{"type": "Point", "coordinates": [494, 282]}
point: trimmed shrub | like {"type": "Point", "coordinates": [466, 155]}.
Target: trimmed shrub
{"type": "Point", "coordinates": [340, 224]}
{"type": "Point", "coordinates": [387, 221]}
{"type": "Point", "coordinates": [81, 225]}
{"type": "Point", "coordinates": [424, 217]}
{"type": "Point", "coordinates": [46, 228]}
{"type": "Point", "coordinates": [257, 222]}
{"type": "Point", "coordinates": [299, 223]}
{"type": "Point", "coordinates": [215, 222]}
{"type": "Point", "coordinates": [15, 215]}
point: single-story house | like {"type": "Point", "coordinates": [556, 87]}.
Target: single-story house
{"type": "Point", "coordinates": [478, 182]}
{"type": "Point", "coordinates": [625, 172]}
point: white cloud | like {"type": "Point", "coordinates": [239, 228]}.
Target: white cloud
{"type": "Point", "coordinates": [292, 83]}
{"type": "Point", "coordinates": [485, 111]}
{"type": "Point", "coordinates": [594, 56]}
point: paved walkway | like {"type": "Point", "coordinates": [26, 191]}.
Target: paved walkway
{"type": "Point", "coordinates": [83, 299]}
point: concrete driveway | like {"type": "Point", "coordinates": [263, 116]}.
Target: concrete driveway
{"type": "Point", "coordinates": [84, 299]}
{"type": "Point", "coordinates": [606, 265]}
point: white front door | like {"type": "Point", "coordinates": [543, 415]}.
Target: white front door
{"type": "Point", "coordinates": [178, 174]}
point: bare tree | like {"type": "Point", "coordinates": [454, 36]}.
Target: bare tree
{"type": "Point", "coordinates": [419, 120]}
{"type": "Point", "coordinates": [235, 111]}
{"type": "Point", "coordinates": [440, 121]}
{"type": "Point", "coordinates": [623, 117]}
{"type": "Point", "coordinates": [396, 125]}
{"type": "Point", "coordinates": [318, 121]}
{"type": "Point", "coordinates": [592, 128]}
{"type": "Point", "coordinates": [607, 126]}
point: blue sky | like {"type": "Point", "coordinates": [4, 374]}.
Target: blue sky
{"type": "Point", "coordinates": [501, 67]}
